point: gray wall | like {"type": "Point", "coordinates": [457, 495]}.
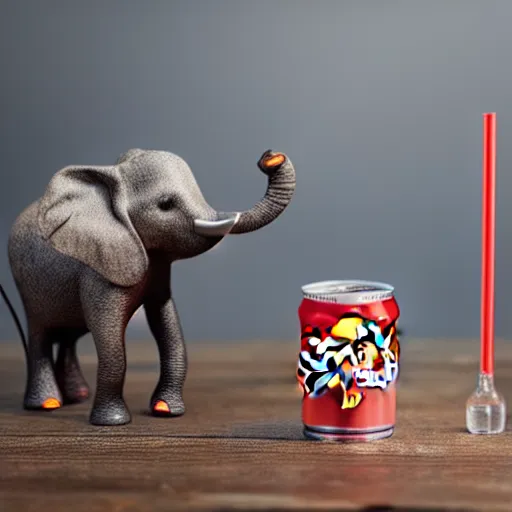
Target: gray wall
{"type": "Point", "coordinates": [377, 103]}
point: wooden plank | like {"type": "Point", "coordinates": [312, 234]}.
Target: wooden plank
{"type": "Point", "coordinates": [240, 444]}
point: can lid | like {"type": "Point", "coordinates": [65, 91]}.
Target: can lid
{"type": "Point", "coordinates": [348, 292]}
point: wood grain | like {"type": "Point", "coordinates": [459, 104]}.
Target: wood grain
{"type": "Point", "coordinates": [240, 444]}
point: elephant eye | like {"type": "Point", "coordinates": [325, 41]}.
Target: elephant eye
{"type": "Point", "coordinates": [165, 204]}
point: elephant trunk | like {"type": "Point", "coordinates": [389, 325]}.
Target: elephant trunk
{"type": "Point", "coordinates": [279, 193]}
{"type": "Point", "coordinates": [280, 190]}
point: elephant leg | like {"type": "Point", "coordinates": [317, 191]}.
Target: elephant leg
{"type": "Point", "coordinates": [42, 391]}
{"type": "Point", "coordinates": [165, 326]}
{"type": "Point", "coordinates": [109, 407]}
{"type": "Point", "coordinates": [106, 319]}
{"type": "Point", "coordinates": [71, 382]}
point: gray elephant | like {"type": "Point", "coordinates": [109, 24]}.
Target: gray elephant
{"type": "Point", "coordinates": [98, 245]}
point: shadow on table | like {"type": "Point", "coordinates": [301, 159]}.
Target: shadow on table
{"type": "Point", "coordinates": [411, 509]}
{"type": "Point", "coordinates": [268, 431]}
{"type": "Point", "coordinates": [279, 430]}
{"type": "Point", "coordinates": [371, 508]}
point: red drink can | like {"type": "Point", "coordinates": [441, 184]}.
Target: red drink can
{"type": "Point", "coordinates": [349, 360]}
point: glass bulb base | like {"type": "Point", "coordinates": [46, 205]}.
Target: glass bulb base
{"type": "Point", "coordinates": [486, 411]}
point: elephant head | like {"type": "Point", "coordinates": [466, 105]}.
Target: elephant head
{"type": "Point", "coordinates": [112, 218]}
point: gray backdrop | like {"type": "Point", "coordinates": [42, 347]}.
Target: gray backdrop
{"type": "Point", "coordinates": [377, 103]}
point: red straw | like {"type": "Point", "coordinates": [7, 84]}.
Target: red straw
{"type": "Point", "coordinates": [488, 245]}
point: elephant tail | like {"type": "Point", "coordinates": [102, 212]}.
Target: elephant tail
{"type": "Point", "coordinates": [15, 317]}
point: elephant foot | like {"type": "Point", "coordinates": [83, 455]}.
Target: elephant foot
{"type": "Point", "coordinates": [168, 407]}
{"type": "Point", "coordinates": [68, 374]}
{"type": "Point", "coordinates": [47, 404]}
{"type": "Point", "coordinates": [76, 395]}
{"type": "Point", "coordinates": [42, 395]}
{"type": "Point", "coordinates": [113, 413]}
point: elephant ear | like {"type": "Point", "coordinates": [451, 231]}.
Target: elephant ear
{"type": "Point", "coordinates": [84, 214]}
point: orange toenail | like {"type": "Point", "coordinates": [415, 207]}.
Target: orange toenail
{"type": "Point", "coordinates": [51, 403]}
{"type": "Point", "coordinates": [161, 406]}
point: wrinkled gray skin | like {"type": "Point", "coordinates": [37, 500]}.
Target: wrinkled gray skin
{"type": "Point", "coordinates": [97, 246]}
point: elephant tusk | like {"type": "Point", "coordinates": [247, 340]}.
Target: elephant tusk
{"type": "Point", "coordinates": [216, 227]}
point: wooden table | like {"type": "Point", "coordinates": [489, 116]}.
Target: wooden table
{"type": "Point", "coordinates": [240, 444]}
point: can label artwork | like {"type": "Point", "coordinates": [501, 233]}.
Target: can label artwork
{"type": "Point", "coordinates": [349, 360]}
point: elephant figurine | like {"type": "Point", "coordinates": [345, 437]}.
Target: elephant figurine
{"type": "Point", "coordinates": [98, 245]}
